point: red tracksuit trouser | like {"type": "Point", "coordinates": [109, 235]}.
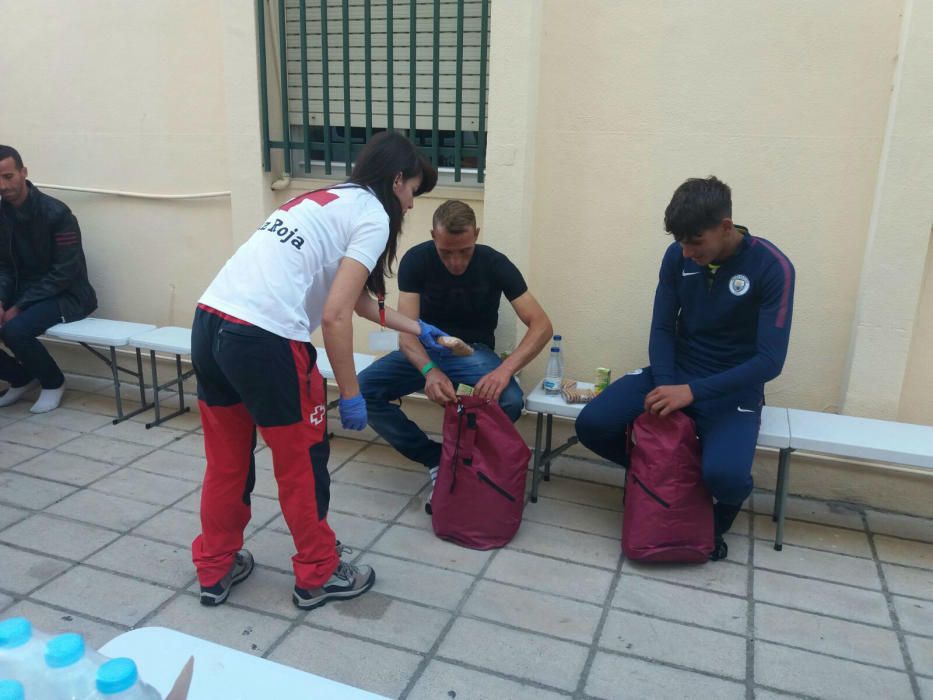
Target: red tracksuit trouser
{"type": "Point", "coordinates": [249, 378]}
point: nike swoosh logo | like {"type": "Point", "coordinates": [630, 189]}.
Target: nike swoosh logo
{"type": "Point", "coordinates": [687, 274]}
{"type": "Point", "coordinates": [744, 410]}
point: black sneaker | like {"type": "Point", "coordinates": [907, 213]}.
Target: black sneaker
{"type": "Point", "coordinates": [720, 549]}
{"type": "Point", "coordinates": [240, 571]}
{"type": "Point", "coordinates": [433, 474]}
{"type": "Point", "coordinates": [347, 582]}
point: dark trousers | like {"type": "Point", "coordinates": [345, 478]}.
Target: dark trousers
{"type": "Point", "coordinates": [249, 378]}
{"type": "Point", "coordinates": [30, 360]}
{"type": "Point", "coordinates": [728, 430]}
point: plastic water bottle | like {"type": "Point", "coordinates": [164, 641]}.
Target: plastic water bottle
{"type": "Point", "coordinates": [70, 669]}
{"type": "Point", "coordinates": [118, 679]}
{"type": "Point", "coordinates": [556, 344]}
{"type": "Point", "coordinates": [553, 375]}
{"type": "Point", "coordinates": [21, 655]}
{"type": "Point", "coordinates": [12, 690]}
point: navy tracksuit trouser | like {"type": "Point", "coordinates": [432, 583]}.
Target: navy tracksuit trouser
{"type": "Point", "coordinates": [727, 426]}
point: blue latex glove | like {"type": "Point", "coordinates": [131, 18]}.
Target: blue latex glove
{"type": "Point", "coordinates": [353, 412]}
{"type": "Point", "coordinates": [427, 338]}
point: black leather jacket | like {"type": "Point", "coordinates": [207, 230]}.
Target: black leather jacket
{"type": "Point", "coordinates": [52, 264]}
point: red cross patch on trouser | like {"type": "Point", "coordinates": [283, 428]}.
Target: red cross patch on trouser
{"type": "Point", "coordinates": [249, 378]}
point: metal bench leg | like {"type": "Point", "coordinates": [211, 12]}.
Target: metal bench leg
{"type": "Point", "coordinates": [778, 487]}
{"type": "Point", "coordinates": [155, 390]}
{"type": "Point", "coordinates": [121, 416]}
{"type": "Point", "coordinates": [547, 448]}
{"type": "Point", "coordinates": [116, 384]}
{"type": "Point", "coordinates": [327, 407]}
{"type": "Point", "coordinates": [178, 382]}
{"type": "Point", "coordinates": [181, 385]}
{"type": "Point", "coordinates": [139, 375]}
{"type": "Point", "coordinates": [115, 369]}
{"type": "Point", "coordinates": [780, 496]}
{"type": "Point", "coordinates": [536, 462]}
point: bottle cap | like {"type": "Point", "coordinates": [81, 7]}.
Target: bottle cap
{"type": "Point", "coordinates": [64, 650]}
{"type": "Point", "coordinates": [11, 690]}
{"type": "Point", "coordinates": [116, 675]}
{"type": "Point", "coordinates": [15, 632]}
{"type": "Point", "coordinates": [557, 337]}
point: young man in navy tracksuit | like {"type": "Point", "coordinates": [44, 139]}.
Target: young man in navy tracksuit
{"type": "Point", "coordinates": [720, 329]}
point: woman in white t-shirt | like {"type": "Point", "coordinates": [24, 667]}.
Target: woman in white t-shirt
{"type": "Point", "coordinates": [313, 262]}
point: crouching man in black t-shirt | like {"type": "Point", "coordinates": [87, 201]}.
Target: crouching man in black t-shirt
{"type": "Point", "coordinates": [454, 284]}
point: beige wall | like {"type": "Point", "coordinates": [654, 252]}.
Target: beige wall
{"type": "Point", "coordinates": [132, 96]}
{"type": "Point", "coordinates": [789, 108]}
{"type": "Point", "coordinates": [917, 398]}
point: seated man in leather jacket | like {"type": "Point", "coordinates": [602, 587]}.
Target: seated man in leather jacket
{"type": "Point", "coordinates": [43, 281]}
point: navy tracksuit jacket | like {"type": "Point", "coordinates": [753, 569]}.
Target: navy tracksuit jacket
{"type": "Point", "coordinates": [725, 333]}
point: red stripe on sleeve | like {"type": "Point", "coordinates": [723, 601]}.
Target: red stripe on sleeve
{"type": "Point", "coordinates": [785, 293]}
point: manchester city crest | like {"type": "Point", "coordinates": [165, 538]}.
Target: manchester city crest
{"type": "Point", "coordinates": [739, 285]}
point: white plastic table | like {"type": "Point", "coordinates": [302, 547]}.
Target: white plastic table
{"type": "Point", "coordinates": [109, 334]}
{"type": "Point", "coordinates": [221, 673]}
{"type": "Point", "coordinates": [176, 341]}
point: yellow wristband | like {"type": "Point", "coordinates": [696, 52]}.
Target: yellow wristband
{"type": "Point", "coordinates": [427, 368]}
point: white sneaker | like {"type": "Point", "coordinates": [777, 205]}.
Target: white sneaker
{"type": "Point", "coordinates": [15, 393]}
{"type": "Point", "coordinates": [48, 400]}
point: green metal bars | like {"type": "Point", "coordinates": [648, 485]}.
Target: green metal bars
{"type": "Point", "coordinates": [334, 72]}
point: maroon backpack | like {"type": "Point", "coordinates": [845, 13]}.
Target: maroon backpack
{"type": "Point", "coordinates": [668, 514]}
{"type": "Point", "coordinates": [480, 490]}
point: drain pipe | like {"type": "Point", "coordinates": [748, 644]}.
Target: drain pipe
{"type": "Point", "coordinates": [282, 183]}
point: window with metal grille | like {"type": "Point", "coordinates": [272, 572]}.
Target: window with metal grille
{"type": "Point", "coordinates": [344, 69]}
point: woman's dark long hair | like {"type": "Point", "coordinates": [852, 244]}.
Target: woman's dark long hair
{"type": "Point", "coordinates": [387, 154]}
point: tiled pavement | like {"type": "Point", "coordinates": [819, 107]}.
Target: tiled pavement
{"type": "Point", "coordinates": [96, 520]}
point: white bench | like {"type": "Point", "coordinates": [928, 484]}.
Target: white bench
{"type": "Point", "coordinates": [110, 334]}
{"type": "Point", "coordinates": [894, 445]}
{"type": "Point", "coordinates": [175, 341]}
{"type": "Point", "coordinates": [360, 362]}
{"type": "Point", "coordinates": [168, 339]}
{"type": "Point", "coordinates": [775, 432]}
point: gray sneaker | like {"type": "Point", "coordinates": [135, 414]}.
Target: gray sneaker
{"type": "Point", "coordinates": [240, 571]}
{"type": "Point", "coordinates": [348, 581]}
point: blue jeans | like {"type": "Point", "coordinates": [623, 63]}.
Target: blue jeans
{"type": "Point", "coordinates": [30, 359]}
{"type": "Point", "coordinates": [392, 377]}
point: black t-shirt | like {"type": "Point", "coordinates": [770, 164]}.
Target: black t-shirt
{"type": "Point", "coordinates": [466, 306]}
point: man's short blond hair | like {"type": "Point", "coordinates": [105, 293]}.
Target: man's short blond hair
{"type": "Point", "coordinates": [455, 216]}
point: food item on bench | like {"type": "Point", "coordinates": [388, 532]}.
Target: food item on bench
{"type": "Point", "coordinates": [603, 377]}
{"type": "Point", "coordinates": [464, 390]}
{"type": "Point", "coordinates": [455, 345]}
{"type": "Point", "coordinates": [571, 394]}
